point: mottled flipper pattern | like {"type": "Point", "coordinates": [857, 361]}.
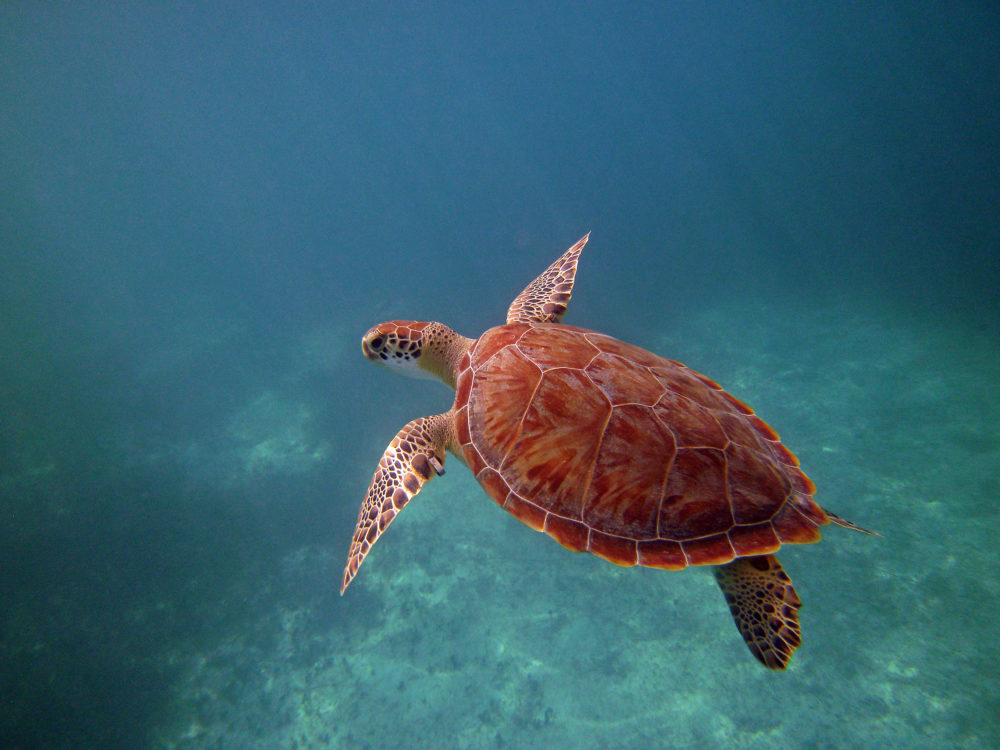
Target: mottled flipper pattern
{"type": "Point", "coordinates": [544, 300]}
{"type": "Point", "coordinates": [765, 606]}
{"type": "Point", "coordinates": [413, 457]}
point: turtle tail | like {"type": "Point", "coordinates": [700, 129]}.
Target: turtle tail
{"type": "Point", "coordinates": [847, 524]}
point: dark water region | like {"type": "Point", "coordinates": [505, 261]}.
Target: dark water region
{"type": "Point", "coordinates": [202, 210]}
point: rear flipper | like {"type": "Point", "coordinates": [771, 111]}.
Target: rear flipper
{"type": "Point", "coordinates": [764, 605]}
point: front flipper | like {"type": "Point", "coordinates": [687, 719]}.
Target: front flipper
{"type": "Point", "coordinates": [765, 606]}
{"type": "Point", "coordinates": [544, 300]}
{"type": "Point", "coordinates": [413, 457]}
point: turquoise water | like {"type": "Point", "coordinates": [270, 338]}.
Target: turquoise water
{"type": "Point", "coordinates": [203, 210]}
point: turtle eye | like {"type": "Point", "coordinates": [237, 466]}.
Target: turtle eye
{"type": "Point", "coordinates": [376, 343]}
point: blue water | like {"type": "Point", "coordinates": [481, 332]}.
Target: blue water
{"type": "Point", "coordinates": [203, 208]}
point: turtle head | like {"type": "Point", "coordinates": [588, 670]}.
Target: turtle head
{"type": "Point", "coordinates": [416, 348]}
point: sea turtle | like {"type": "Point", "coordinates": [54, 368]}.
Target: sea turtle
{"type": "Point", "coordinates": [607, 448]}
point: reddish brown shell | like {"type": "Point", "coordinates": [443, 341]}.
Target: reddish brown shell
{"type": "Point", "coordinates": [613, 450]}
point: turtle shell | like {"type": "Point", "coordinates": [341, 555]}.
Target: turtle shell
{"type": "Point", "coordinates": [613, 450]}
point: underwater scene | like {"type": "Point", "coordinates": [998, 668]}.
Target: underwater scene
{"type": "Point", "coordinates": [204, 207]}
